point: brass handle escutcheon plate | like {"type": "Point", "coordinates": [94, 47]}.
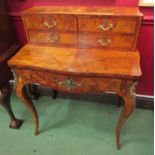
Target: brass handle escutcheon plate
{"type": "Point", "coordinates": [105, 26]}
{"type": "Point", "coordinates": [53, 38]}
{"type": "Point", "coordinates": [104, 42]}
{"type": "Point", "coordinates": [48, 25]}
{"type": "Point", "coordinates": [68, 83]}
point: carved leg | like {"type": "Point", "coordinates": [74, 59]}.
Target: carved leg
{"type": "Point", "coordinates": [129, 106]}
{"type": "Point", "coordinates": [5, 94]}
{"type": "Point", "coordinates": [27, 101]}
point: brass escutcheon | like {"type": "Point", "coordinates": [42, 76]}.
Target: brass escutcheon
{"type": "Point", "coordinates": [68, 83]}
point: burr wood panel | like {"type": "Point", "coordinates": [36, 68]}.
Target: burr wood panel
{"type": "Point", "coordinates": [52, 38]}
{"type": "Point", "coordinates": [50, 22]}
{"type": "Point", "coordinates": [107, 41]}
{"type": "Point", "coordinates": [108, 23]}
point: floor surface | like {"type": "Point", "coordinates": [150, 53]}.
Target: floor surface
{"type": "Point", "coordinates": [71, 127]}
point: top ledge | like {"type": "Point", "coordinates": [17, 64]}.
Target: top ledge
{"type": "Point", "coordinates": [76, 10]}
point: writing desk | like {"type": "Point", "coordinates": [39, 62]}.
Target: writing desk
{"type": "Point", "coordinates": [84, 50]}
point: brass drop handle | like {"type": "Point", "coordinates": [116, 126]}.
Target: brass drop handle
{"type": "Point", "coordinates": [53, 38]}
{"type": "Point", "coordinates": [104, 42]}
{"type": "Point", "coordinates": [104, 28]}
{"type": "Point", "coordinates": [48, 25]}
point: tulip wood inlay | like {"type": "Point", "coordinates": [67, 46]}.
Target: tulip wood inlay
{"type": "Point", "coordinates": [80, 50]}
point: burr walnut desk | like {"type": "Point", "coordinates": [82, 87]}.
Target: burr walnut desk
{"type": "Point", "coordinates": [80, 50]}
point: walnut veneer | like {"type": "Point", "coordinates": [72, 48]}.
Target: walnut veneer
{"type": "Point", "coordinates": [108, 28]}
{"type": "Point", "coordinates": [80, 50]}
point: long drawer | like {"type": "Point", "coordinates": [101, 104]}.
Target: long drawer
{"type": "Point", "coordinates": [111, 41]}
{"type": "Point", "coordinates": [106, 23]}
{"type": "Point", "coordinates": [50, 22]}
{"type": "Point", "coordinates": [52, 38]}
{"type": "Point", "coordinates": [69, 83]}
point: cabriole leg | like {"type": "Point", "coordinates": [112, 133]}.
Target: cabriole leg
{"type": "Point", "coordinates": [28, 102]}
{"type": "Point", "coordinates": [129, 98]}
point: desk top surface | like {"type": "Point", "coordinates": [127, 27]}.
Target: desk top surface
{"type": "Point", "coordinates": [125, 11]}
{"type": "Point", "coordinates": [90, 62]}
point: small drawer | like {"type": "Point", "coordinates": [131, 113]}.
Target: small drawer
{"type": "Point", "coordinates": [108, 24]}
{"type": "Point", "coordinates": [100, 40]}
{"type": "Point", "coordinates": [52, 38]}
{"type": "Point", "coordinates": [50, 22]}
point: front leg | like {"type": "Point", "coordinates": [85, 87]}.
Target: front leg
{"type": "Point", "coordinates": [5, 93]}
{"type": "Point", "coordinates": [21, 93]}
{"type": "Point", "coordinates": [129, 98]}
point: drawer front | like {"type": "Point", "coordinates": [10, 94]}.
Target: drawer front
{"type": "Point", "coordinates": [69, 83]}
{"type": "Point", "coordinates": [52, 38]}
{"type": "Point", "coordinates": [104, 24]}
{"type": "Point", "coordinates": [115, 41]}
{"type": "Point", "coordinates": [50, 22]}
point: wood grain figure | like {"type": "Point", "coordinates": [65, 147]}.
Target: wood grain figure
{"type": "Point", "coordinates": [80, 50]}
